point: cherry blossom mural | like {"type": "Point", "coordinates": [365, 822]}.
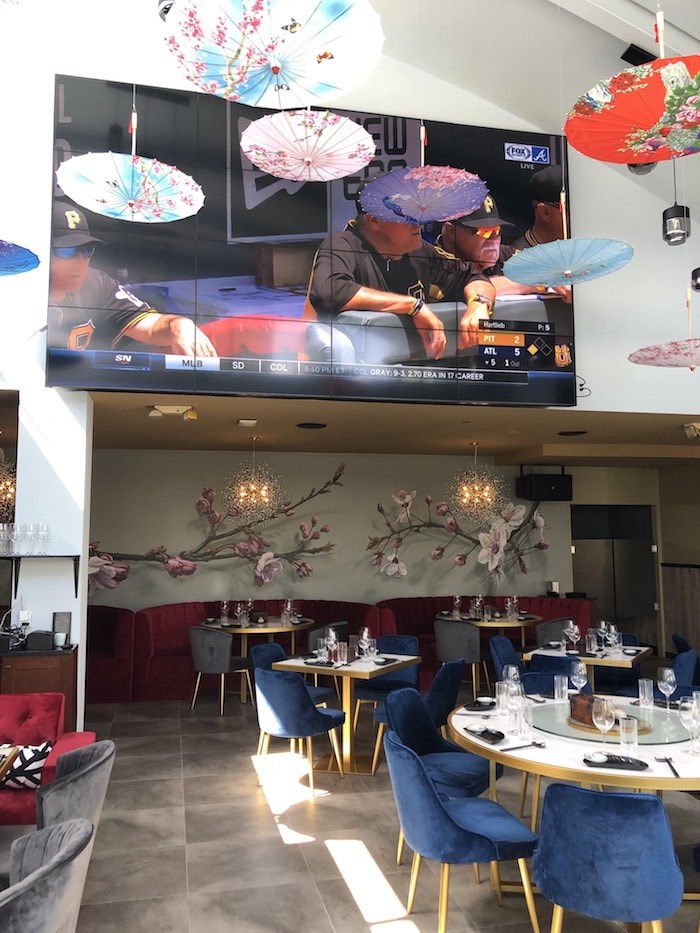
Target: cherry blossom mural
{"type": "Point", "coordinates": [267, 547]}
{"type": "Point", "coordinates": [501, 548]}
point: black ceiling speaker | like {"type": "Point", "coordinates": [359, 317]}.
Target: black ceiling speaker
{"type": "Point", "coordinates": [634, 55]}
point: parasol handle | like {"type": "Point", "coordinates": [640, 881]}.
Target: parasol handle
{"type": "Point", "coordinates": [689, 308]}
{"type": "Point", "coordinates": [423, 141]}
{"type": "Point", "coordinates": [564, 218]}
{"type": "Point", "coordinates": [659, 32]}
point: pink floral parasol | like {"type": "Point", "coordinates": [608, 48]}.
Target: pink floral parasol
{"type": "Point", "coordinates": [307, 145]}
{"type": "Point", "coordinates": [423, 194]}
{"type": "Point", "coordinates": [677, 353]}
{"type": "Point", "coordinates": [273, 53]}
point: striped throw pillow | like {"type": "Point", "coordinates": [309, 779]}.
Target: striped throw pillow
{"type": "Point", "coordinates": [25, 771]}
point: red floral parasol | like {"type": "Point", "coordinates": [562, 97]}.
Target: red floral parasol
{"type": "Point", "coordinates": [648, 113]}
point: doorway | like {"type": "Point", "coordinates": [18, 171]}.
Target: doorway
{"type": "Point", "coordinates": [615, 564]}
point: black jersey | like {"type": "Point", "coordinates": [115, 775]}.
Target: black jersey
{"type": "Point", "coordinates": [96, 316]}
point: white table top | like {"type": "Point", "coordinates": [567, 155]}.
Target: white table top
{"type": "Point", "coordinates": [563, 757]}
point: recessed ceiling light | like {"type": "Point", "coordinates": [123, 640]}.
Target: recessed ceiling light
{"type": "Point", "coordinates": [311, 425]}
{"type": "Point", "coordinates": [247, 422]}
{"type": "Point", "coordinates": [571, 433]}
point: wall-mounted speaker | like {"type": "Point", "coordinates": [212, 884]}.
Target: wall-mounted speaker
{"type": "Point", "coordinates": [544, 487]}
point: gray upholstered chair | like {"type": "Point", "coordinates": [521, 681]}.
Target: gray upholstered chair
{"type": "Point", "coordinates": [47, 877]}
{"type": "Point", "coordinates": [211, 654]}
{"type": "Point", "coordinates": [550, 631]}
{"type": "Point", "coordinates": [79, 790]}
{"type": "Point", "coordinates": [454, 640]}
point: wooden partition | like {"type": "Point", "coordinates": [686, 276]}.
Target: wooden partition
{"type": "Point", "coordinates": [681, 586]}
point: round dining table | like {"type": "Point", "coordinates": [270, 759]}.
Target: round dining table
{"type": "Point", "coordinates": [500, 624]}
{"type": "Point", "coordinates": [664, 746]}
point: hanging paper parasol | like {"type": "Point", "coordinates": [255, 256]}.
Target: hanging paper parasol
{"type": "Point", "coordinates": [269, 53]}
{"type": "Point", "coordinates": [644, 114]}
{"type": "Point", "coordinates": [15, 259]}
{"type": "Point", "coordinates": [676, 353]}
{"type": "Point", "coordinates": [130, 187]}
{"type": "Point", "coordinates": [307, 145]}
{"type": "Point", "coordinates": [423, 194]}
{"type": "Point", "coordinates": [566, 262]}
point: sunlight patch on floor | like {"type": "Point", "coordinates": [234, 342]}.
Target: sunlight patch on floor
{"type": "Point", "coordinates": [374, 896]}
{"type": "Point", "coordinates": [284, 780]}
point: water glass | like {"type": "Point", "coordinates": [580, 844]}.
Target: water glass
{"type": "Point", "coordinates": [561, 688]}
{"type": "Point", "coordinates": [628, 735]}
{"type": "Point", "coordinates": [353, 651]}
{"type": "Point", "coordinates": [42, 537]}
{"type": "Point", "coordinates": [591, 641]}
{"type": "Point", "coordinates": [456, 606]}
{"type": "Point", "coordinates": [511, 674]}
{"type": "Point", "coordinates": [487, 610]}
{"type": "Point", "coordinates": [646, 693]}
{"type": "Point", "coordinates": [321, 649]}
{"type": "Point", "coordinates": [223, 614]}
{"type": "Point", "coordinates": [372, 648]}
{"type": "Point", "coordinates": [342, 652]}
{"type": "Point", "coordinates": [501, 697]}
{"type": "Point", "coordinates": [527, 727]}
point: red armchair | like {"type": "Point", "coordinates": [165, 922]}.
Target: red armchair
{"type": "Point", "coordinates": [110, 654]}
{"type": "Point", "coordinates": [30, 719]}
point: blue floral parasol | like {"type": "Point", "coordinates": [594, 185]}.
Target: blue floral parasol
{"type": "Point", "coordinates": [423, 194]}
{"type": "Point", "coordinates": [15, 259]}
{"type": "Point", "coordinates": [273, 53]}
{"type": "Point", "coordinates": [567, 262]}
{"type": "Point", "coordinates": [130, 187]}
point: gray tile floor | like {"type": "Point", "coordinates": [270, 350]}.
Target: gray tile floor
{"type": "Point", "coordinates": [189, 843]}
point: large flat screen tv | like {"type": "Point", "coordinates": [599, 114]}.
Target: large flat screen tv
{"type": "Point", "coordinates": [238, 270]}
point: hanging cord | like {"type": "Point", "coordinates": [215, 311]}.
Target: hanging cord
{"type": "Point", "coordinates": [562, 193]}
{"type": "Point", "coordinates": [133, 125]}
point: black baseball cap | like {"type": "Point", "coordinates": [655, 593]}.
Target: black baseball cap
{"type": "Point", "coordinates": [69, 226]}
{"type": "Point", "coordinates": [545, 185]}
{"type": "Point", "coordinates": [486, 215]}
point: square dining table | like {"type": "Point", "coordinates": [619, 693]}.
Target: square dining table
{"type": "Point", "coordinates": [359, 669]}
{"type": "Point", "coordinates": [622, 659]}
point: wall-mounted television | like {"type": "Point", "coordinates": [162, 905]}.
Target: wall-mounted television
{"type": "Point", "coordinates": [238, 271]}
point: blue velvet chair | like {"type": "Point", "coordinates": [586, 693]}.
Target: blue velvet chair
{"type": "Point", "coordinates": [680, 643]}
{"type": "Point", "coordinates": [502, 653]}
{"type": "Point", "coordinates": [374, 691]}
{"type": "Point", "coordinates": [683, 665]}
{"type": "Point", "coordinates": [453, 832]}
{"type": "Point", "coordinates": [264, 656]}
{"type": "Point", "coordinates": [285, 710]}
{"type": "Point", "coordinates": [440, 700]}
{"type": "Point", "coordinates": [454, 771]}
{"type": "Point", "coordinates": [542, 682]}
{"type": "Point", "coordinates": [607, 856]}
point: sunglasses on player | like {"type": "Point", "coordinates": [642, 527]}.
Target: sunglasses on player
{"type": "Point", "coordinates": [70, 252]}
{"type": "Point", "coordinates": [487, 232]}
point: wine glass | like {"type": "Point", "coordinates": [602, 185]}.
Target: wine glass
{"type": "Point", "coordinates": [666, 682]}
{"type": "Point", "coordinates": [689, 714]}
{"type": "Point", "coordinates": [578, 675]}
{"type": "Point", "coordinates": [511, 674]}
{"type": "Point", "coordinates": [363, 639]}
{"type": "Point", "coordinates": [575, 636]}
{"type": "Point", "coordinates": [603, 715]}
{"type": "Point", "coordinates": [456, 605]}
